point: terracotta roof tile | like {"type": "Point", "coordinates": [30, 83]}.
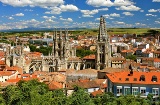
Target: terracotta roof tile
{"type": "Point", "coordinates": [92, 56]}
{"type": "Point", "coordinates": [95, 93]}
{"type": "Point", "coordinates": [55, 85]}
{"type": "Point", "coordinates": [124, 51]}
{"type": "Point", "coordinates": [2, 62]}
{"type": "Point", "coordinates": [112, 70]}
{"type": "Point", "coordinates": [7, 73]}
{"type": "Point", "coordinates": [124, 77]}
{"type": "Point", "coordinates": [74, 59]}
{"type": "Point", "coordinates": [117, 59]}
{"type": "Point", "coordinates": [156, 60]}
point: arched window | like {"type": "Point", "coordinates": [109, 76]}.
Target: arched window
{"type": "Point", "coordinates": [142, 78]}
{"type": "Point", "coordinates": [88, 66]}
{"type": "Point", "coordinates": [51, 69]}
{"type": "Point", "coordinates": [69, 65]}
{"type": "Point", "coordinates": [154, 78]}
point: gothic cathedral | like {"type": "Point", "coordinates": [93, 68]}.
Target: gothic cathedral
{"type": "Point", "coordinates": [103, 52]}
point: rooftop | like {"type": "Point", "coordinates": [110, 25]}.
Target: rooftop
{"type": "Point", "coordinates": [135, 78]}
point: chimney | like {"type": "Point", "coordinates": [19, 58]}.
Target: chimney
{"type": "Point", "coordinates": [19, 75]}
{"type": "Point", "coordinates": [131, 70]}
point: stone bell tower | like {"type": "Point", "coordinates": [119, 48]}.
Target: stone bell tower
{"type": "Point", "coordinates": [103, 53]}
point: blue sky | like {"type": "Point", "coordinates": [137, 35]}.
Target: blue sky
{"type": "Point", "coordinates": [19, 14]}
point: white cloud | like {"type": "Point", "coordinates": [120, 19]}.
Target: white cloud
{"type": "Point", "coordinates": [10, 18]}
{"type": "Point", "coordinates": [46, 17]}
{"type": "Point", "coordinates": [67, 20]}
{"type": "Point", "coordinates": [127, 13]}
{"type": "Point", "coordinates": [106, 16]}
{"type": "Point", "coordinates": [89, 13]}
{"type": "Point", "coordinates": [98, 3]}
{"type": "Point", "coordinates": [48, 23]}
{"type": "Point", "coordinates": [68, 7]}
{"type": "Point", "coordinates": [54, 10]}
{"type": "Point", "coordinates": [140, 24]}
{"type": "Point", "coordinates": [103, 9]}
{"type": "Point", "coordinates": [117, 22]}
{"type": "Point", "coordinates": [109, 3]}
{"type": "Point", "coordinates": [153, 10]}
{"type": "Point", "coordinates": [129, 8]}
{"type": "Point", "coordinates": [19, 14]}
{"type": "Point", "coordinates": [70, 20]}
{"type": "Point", "coordinates": [62, 8]}
{"type": "Point", "coordinates": [110, 16]}
{"type": "Point", "coordinates": [115, 15]}
{"type": "Point", "coordinates": [151, 15]}
{"type": "Point", "coordinates": [33, 3]}
{"type": "Point", "coordinates": [158, 22]}
{"type": "Point", "coordinates": [53, 17]}
{"type": "Point", "coordinates": [30, 10]}
{"type": "Point", "coordinates": [122, 2]}
{"type": "Point", "coordinates": [54, 6]}
{"type": "Point", "coordinates": [87, 16]}
{"type": "Point", "coordinates": [97, 19]}
{"type": "Point", "coordinates": [49, 20]}
{"type": "Point", "coordinates": [156, 0]}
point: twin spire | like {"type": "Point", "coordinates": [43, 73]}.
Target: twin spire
{"type": "Point", "coordinates": [102, 36]}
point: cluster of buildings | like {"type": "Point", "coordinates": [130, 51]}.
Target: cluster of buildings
{"type": "Point", "coordinates": [108, 70]}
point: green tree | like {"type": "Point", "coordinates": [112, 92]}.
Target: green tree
{"type": "Point", "coordinates": [59, 98]}
{"type": "Point", "coordinates": [132, 57]}
{"type": "Point", "coordinates": [82, 52]}
{"type": "Point", "coordinates": [12, 95]}
{"type": "Point", "coordinates": [80, 97]}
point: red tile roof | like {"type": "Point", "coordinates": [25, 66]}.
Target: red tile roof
{"type": "Point", "coordinates": [95, 93]}
{"type": "Point", "coordinates": [2, 62]}
{"type": "Point", "coordinates": [25, 77]}
{"type": "Point", "coordinates": [55, 85]}
{"type": "Point", "coordinates": [14, 68]}
{"type": "Point", "coordinates": [156, 60]}
{"type": "Point", "coordinates": [123, 77]}
{"type": "Point", "coordinates": [125, 51]}
{"type": "Point", "coordinates": [7, 73]}
{"type": "Point", "coordinates": [92, 56]}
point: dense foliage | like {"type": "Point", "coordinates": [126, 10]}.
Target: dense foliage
{"type": "Point", "coordinates": [41, 49]}
{"type": "Point", "coordinates": [82, 52]}
{"type": "Point", "coordinates": [132, 57]}
{"type": "Point", "coordinates": [37, 93]}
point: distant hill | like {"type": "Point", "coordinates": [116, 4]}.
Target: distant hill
{"type": "Point", "coordinates": [40, 29]}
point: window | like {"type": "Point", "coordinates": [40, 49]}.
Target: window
{"type": "Point", "coordinates": [135, 79]}
{"type": "Point", "coordinates": [119, 90]}
{"type": "Point", "coordinates": [143, 90]}
{"type": "Point", "coordinates": [135, 91]}
{"type": "Point", "coordinates": [155, 91]}
{"type": "Point", "coordinates": [154, 78]}
{"type": "Point", "coordinates": [142, 78]}
{"type": "Point", "coordinates": [127, 79]}
{"type": "Point", "coordinates": [127, 91]}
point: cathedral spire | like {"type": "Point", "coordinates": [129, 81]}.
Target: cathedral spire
{"type": "Point", "coordinates": [102, 36]}
{"type": "Point", "coordinates": [55, 44]}
{"type": "Point", "coordinates": [66, 35]}
{"type": "Point", "coordinates": [103, 47]}
{"type": "Point", "coordinates": [60, 35]}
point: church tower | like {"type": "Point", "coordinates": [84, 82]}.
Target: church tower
{"type": "Point", "coordinates": [103, 53]}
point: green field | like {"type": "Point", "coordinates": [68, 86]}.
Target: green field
{"type": "Point", "coordinates": [90, 32]}
{"type": "Point", "coordinates": [138, 31]}
{"type": "Point", "coordinates": [118, 31]}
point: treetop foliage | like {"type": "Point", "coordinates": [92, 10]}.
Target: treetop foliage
{"type": "Point", "coordinates": [36, 93]}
